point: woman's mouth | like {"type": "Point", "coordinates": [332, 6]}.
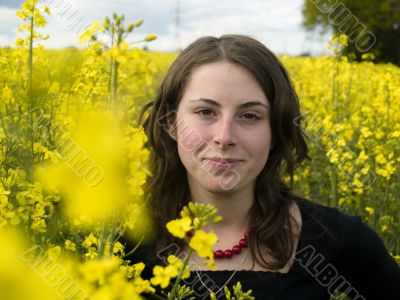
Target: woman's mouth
{"type": "Point", "coordinates": [222, 164]}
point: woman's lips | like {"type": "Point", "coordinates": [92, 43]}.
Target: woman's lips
{"type": "Point", "coordinates": [223, 164]}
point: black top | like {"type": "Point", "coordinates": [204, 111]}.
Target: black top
{"type": "Point", "coordinates": [335, 252]}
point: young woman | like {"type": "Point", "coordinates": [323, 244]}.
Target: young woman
{"type": "Point", "coordinates": [224, 129]}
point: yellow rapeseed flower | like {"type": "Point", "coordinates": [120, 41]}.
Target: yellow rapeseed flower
{"type": "Point", "coordinates": [54, 252]}
{"type": "Point", "coordinates": [3, 196]}
{"type": "Point", "coordinates": [210, 263]}
{"type": "Point", "coordinates": [379, 134]}
{"type": "Point", "coordinates": [202, 243]}
{"type": "Point", "coordinates": [365, 132]}
{"type": "Point", "coordinates": [38, 225]}
{"type": "Point", "coordinates": [118, 248]}
{"type": "Point", "coordinates": [175, 264]}
{"type": "Point", "coordinates": [380, 159]}
{"type": "Point", "coordinates": [90, 241]}
{"type": "Point", "coordinates": [97, 271]}
{"type": "Point", "coordinates": [70, 245]}
{"type": "Point", "coordinates": [87, 34]}
{"type": "Point", "coordinates": [397, 258]}
{"type": "Point", "coordinates": [180, 227]}
{"type": "Point", "coordinates": [142, 286]}
{"type": "Point", "coordinates": [333, 156]}
{"type": "Point", "coordinates": [19, 42]}
{"type": "Point", "coordinates": [47, 10]}
{"type": "Point", "coordinates": [362, 156]}
{"type": "Point", "coordinates": [342, 201]}
{"type": "Point", "coordinates": [39, 148]}
{"type": "Point", "coordinates": [161, 277]}
{"type": "Point", "coordinates": [369, 210]}
{"type": "Point", "coordinates": [386, 172]}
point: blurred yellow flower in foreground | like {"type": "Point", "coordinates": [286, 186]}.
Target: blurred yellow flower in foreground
{"type": "Point", "coordinates": [37, 276]}
{"type": "Point", "coordinates": [97, 171]}
{"type": "Point", "coordinates": [88, 33]}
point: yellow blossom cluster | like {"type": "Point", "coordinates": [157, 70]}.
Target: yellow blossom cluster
{"type": "Point", "coordinates": [351, 120]}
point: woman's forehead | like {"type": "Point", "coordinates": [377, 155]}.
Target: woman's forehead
{"type": "Point", "coordinates": [220, 80]}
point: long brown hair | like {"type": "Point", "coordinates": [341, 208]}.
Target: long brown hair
{"type": "Point", "coordinates": [168, 189]}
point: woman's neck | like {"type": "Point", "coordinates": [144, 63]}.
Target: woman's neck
{"type": "Point", "coordinates": [234, 209]}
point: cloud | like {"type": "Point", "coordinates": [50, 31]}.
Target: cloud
{"type": "Point", "coordinates": [275, 22]}
{"type": "Point", "coordinates": [9, 22]}
{"type": "Point", "coordinates": [11, 3]}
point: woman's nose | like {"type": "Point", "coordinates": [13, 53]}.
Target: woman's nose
{"type": "Point", "coordinates": [224, 133]}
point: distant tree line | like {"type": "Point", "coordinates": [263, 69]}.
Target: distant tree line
{"type": "Point", "coordinates": [372, 26]}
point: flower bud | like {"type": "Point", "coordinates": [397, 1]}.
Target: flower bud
{"type": "Point", "coordinates": [130, 27]}
{"type": "Point", "coordinates": [150, 37]}
{"type": "Point", "coordinates": [139, 22]}
{"type": "Point", "coordinates": [106, 24]}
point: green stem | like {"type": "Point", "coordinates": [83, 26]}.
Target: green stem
{"type": "Point", "coordinates": [100, 250]}
{"type": "Point", "coordinates": [115, 82]}
{"type": "Point", "coordinates": [134, 249]}
{"type": "Point", "coordinates": [30, 53]}
{"type": "Point", "coordinates": [385, 201]}
{"type": "Point", "coordinates": [30, 96]}
{"type": "Point", "coordinates": [158, 297]}
{"type": "Point", "coordinates": [333, 187]}
{"type": "Point", "coordinates": [111, 65]}
{"type": "Point", "coordinates": [179, 277]}
{"type": "Point", "coordinates": [110, 238]}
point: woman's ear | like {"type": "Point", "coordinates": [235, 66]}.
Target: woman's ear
{"type": "Point", "coordinates": [172, 134]}
{"type": "Point", "coordinates": [171, 129]}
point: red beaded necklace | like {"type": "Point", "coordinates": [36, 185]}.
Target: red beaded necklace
{"type": "Point", "coordinates": [228, 253]}
{"type": "Point", "coordinates": [236, 249]}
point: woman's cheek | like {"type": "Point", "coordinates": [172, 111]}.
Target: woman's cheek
{"type": "Point", "coordinates": [190, 138]}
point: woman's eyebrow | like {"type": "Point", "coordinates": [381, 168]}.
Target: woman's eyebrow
{"type": "Point", "coordinates": [243, 105]}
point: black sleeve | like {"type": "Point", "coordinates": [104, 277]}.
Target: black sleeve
{"type": "Point", "coordinates": [367, 265]}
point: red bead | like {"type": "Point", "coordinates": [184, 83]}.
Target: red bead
{"type": "Point", "coordinates": [228, 253]}
{"type": "Point", "coordinates": [219, 254]}
{"type": "Point", "coordinates": [189, 234]}
{"type": "Point", "coordinates": [236, 249]}
{"type": "Point", "coordinates": [243, 243]}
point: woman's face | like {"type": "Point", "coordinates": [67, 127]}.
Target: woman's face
{"type": "Point", "coordinates": [223, 128]}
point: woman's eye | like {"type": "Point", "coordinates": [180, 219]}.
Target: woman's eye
{"type": "Point", "coordinates": [208, 113]}
{"type": "Point", "coordinates": [251, 117]}
{"type": "Point", "coordinates": [204, 112]}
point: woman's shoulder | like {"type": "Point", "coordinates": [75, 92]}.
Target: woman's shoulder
{"type": "Point", "coordinates": [353, 248]}
{"type": "Point", "coordinates": [349, 231]}
{"type": "Point", "coordinates": [327, 213]}
{"type": "Point", "coordinates": [331, 218]}
{"type": "Point", "coordinates": [329, 227]}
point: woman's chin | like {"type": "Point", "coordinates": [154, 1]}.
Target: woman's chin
{"type": "Point", "coordinates": [221, 185]}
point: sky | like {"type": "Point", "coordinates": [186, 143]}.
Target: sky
{"type": "Point", "coordinates": [276, 23]}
